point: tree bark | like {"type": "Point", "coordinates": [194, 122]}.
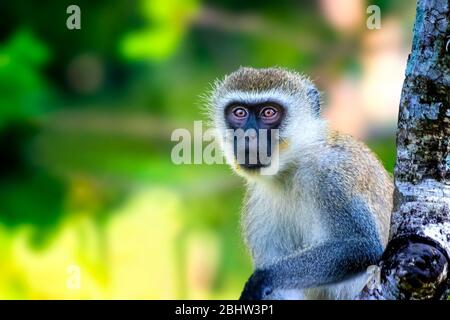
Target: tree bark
{"type": "Point", "coordinates": [415, 264]}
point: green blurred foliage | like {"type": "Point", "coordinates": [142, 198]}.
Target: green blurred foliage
{"type": "Point", "coordinates": [27, 195]}
{"type": "Point", "coordinates": [24, 90]}
{"type": "Point", "coordinates": [385, 148]}
{"type": "Point", "coordinates": [166, 23]}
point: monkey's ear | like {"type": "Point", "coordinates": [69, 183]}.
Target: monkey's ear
{"type": "Point", "coordinates": [314, 98]}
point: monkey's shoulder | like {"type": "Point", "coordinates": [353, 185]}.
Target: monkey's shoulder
{"type": "Point", "coordinates": [343, 152]}
{"type": "Point", "coordinates": [348, 147]}
{"type": "Point", "coordinates": [347, 164]}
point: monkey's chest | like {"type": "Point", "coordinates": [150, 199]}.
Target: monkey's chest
{"type": "Point", "coordinates": [277, 228]}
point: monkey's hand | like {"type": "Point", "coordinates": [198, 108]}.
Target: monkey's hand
{"type": "Point", "coordinates": [258, 286]}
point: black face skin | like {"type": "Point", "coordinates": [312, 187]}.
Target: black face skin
{"type": "Point", "coordinates": [267, 115]}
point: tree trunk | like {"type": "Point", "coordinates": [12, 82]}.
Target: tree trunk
{"type": "Point", "coordinates": [416, 262]}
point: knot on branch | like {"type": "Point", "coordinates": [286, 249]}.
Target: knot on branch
{"type": "Point", "coordinates": [417, 267]}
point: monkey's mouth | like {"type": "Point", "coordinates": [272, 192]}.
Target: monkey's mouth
{"type": "Point", "coordinates": [253, 167]}
{"type": "Point", "coordinates": [252, 155]}
{"type": "Point", "coordinates": [252, 159]}
{"type": "Point", "coordinates": [253, 163]}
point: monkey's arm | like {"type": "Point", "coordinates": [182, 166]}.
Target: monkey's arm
{"type": "Point", "coordinates": [327, 263]}
{"type": "Point", "coordinates": [354, 245]}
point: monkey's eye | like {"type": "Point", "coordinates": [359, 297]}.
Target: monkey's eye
{"type": "Point", "coordinates": [240, 112]}
{"type": "Point", "coordinates": [269, 113]}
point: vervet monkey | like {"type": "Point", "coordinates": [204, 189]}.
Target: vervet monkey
{"type": "Point", "coordinates": [316, 224]}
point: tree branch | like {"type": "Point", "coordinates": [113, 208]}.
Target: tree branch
{"type": "Point", "coordinates": [416, 262]}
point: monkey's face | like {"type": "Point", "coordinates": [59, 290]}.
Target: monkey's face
{"type": "Point", "coordinates": [252, 131]}
{"type": "Point", "coordinates": [266, 118]}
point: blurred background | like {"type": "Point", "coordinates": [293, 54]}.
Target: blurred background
{"type": "Point", "coordinates": [91, 205]}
